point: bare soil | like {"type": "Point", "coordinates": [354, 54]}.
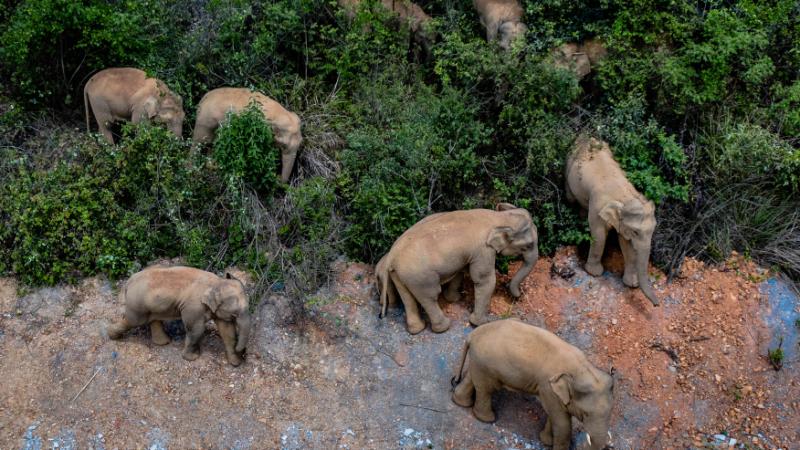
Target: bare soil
{"type": "Point", "coordinates": [692, 373]}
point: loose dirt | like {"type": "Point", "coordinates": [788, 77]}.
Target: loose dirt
{"type": "Point", "coordinates": [692, 373]}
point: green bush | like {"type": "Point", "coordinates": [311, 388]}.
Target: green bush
{"type": "Point", "coordinates": [245, 149]}
{"type": "Point", "coordinates": [414, 153]}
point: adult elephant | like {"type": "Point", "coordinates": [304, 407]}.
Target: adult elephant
{"type": "Point", "coordinates": [128, 94]}
{"type": "Point", "coordinates": [285, 124]}
{"type": "Point", "coordinates": [436, 251]}
{"type": "Point", "coordinates": [596, 181]}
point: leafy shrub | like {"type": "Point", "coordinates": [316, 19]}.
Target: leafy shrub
{"type": "Point", "coordinates": [244, 148]}
{"type": "Point", "coordinates": [414, 153]}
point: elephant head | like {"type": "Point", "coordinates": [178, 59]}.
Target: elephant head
{"type": "Point", "coordinates": [509, 32]}
{"type": "Point", "coordinates": [516, 236]}
{"type": "Point", "coordinates": [587, 395]}
{"type": "Point", "coordinates": [635, 222]}
{"type": "Point", "coordinates": [166, 108]}
{"type": "Point", "coordinates": [228, 302]}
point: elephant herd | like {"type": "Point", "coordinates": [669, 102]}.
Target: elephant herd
{"type": "Point", "coordinates": [429, 259]}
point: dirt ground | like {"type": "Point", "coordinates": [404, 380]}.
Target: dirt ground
{"type": "Point", "coordinates": [692, 373]}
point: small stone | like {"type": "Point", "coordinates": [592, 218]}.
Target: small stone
{"type": "Point", "coordinates": [613, 321]}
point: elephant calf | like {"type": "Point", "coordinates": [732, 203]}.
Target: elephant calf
{"type": "Point", "coordinates": [407, 12]}
{"type": "Point", "coordinates": [520, 357]}
{"type": "Point", "coordinates": [598, 184]}
{"type": "Point", "coordinates": [285, 124]}
{"type": "Point", "coordinates": [437, 249]}
{"type": "Point", "coordinates": [127, 94]}
{"type": "Point", "coordinates": [503, 17]}
{"type": "Point", "coordinates": [193, 295]}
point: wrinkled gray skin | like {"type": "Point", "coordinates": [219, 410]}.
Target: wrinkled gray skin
{"type": "Point", "coordinates": [508, 354]}
{"type": "Point", "coordinates": [598, 184]}
{"type": "Point", "coordinates": [192, 295]}
{"type": "Point", "coordinates": [501, 18]}
{"type": "Point", "coordinates": [437, 250]}
{"type": "Point", "coordinates": [127, 94]}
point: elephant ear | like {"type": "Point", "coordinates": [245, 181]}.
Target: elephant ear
{"type": "Point", "coordinates": [499, 238]}
{"type": "Point", "coordinates": [213, 300]}
{"type": "Point", "coordinates": [150, 107]}
{"type": "Point", "coordinates": [504, 206]}
{"type": "Point", "coordinates": [562, 386]}
{"type": "Point", "coordinates": [611, 213]}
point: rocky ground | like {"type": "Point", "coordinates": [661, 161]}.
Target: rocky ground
{"type": "Point", "coordinates": [690, 374]}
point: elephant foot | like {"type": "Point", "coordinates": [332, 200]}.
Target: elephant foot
{"type": "Point", "coordinates": [114, 332]}
{"type": "Point", "coordinates": [462, 400]}
{"type": "Point", "coordinates": [546, 438]}
{"type": "Point", "coordinates": [442, 326]}
{"type": "Point", "coordinates": [630, 280]}
{"type": "Point", "coordinates": [161, 340]}
{"type": "Point", "coordinates": [190, 355]}
{"type": "Point", "coordinates": [477, 320]}
{"type": "Point", "coordinates": [235, 360]}
{"type": "Point", "coordinates": [483, 416]}
{"type": "Point", "coordinates": [595, 269]}
{"type": "Point", "coordinates": [415, 327]}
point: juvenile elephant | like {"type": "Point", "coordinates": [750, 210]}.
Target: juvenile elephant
{"type": "Point", "coordinates": [503, 17]}
{"type": "Point", "coordinates": [436, 251]}
{"type": "Point", "coordinates": [127, 94]}
{"type": "Point", "coordinates": [192, 295]}
{"type": "Point", "coordinates": [285, 124]}
{"type": "Point", "coordinates": [579, 58]}
{"type": "Point", "coordinates": [598, 184]}
{"type": "Point", "coordinates": [519, 357]}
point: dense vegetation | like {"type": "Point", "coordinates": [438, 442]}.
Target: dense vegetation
{"type": "Point", "coordinates": [700, 101]}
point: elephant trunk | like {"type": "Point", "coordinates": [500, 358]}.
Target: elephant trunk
{"type": "Point", "coordinates": [177, 129]}
{"type": "Point", "coordinates": [530, 258]}
{"type": "Point", "coordinates": [644, 279]}
{"type": "Point", "coordinates": [243, 331]}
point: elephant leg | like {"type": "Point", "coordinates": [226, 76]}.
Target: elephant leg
{"type": "Point", "coordinates": [594, 265]}
{"type": "Point", "coordinates": [492, 26]}
{"type": "Point", "coordinates": [104, 122]}
{"type": "Point", "coordinates": [463, 394]}
{"type": "Point", "coordinates": [482, 274]}
{"type": "Point", "coordinates": [484, 387]}
{"type": "Point", "coordinates": [157, 333]}
{"type": "Point", "coordinates": [428, 296]}
{"type": "Point", "coordinates": [546, 435]}
{"type": "Point", "coordinates": [195, 328]}
{"type": "Point", "coordinates": [561, 425]}
{"type": "Point", "coordinates": [227, 331]}
{"type": "Point", "coordinates": [414, 322]}
{"type": "Point", "coordinates": [452, 292]}
{"type": "Point", "coordinates": [202, 134]}
{"type": "Point", "coordinates": [630, 278]}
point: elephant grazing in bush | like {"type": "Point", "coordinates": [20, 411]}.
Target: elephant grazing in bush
{"type": "Point", "coordinates": [503, 17]}
{"type": "Point", "coordinates": [579, 58]}
{"type": "Point", "coordinates": [520, 357]}
{"type": "Point", "coordinates": [127, 94]}
{"type": "Point", "coordinates": [192, 295]}
{"type": "Point", "coordinates": [285, 124]}
{"type": "Point", "coordinates": [598, 184]}
{"type": "Point", "coordinates": [407, 12]}
{"type": "Point", "coordinates": [437, 249]}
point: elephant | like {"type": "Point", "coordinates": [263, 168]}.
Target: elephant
{"type": "Point", "coordinates": [519, 357]}
{"type": "Point", "coordinates": [503, 17]}
{"type": "Point", "coordinates": [167, 293]}
{"type": "Point", "coordinates": [285, 124]}
{"type": "Point", "coordinates": [438, 249]}
{"type": "Point", "coordinates": [596, 181]}
{"type": "Point", "coordinates": [128, 94]}
{"type": "Point", "coordinates": [579, 58]}
{"type": "Point", "coordinates": [407, 12]}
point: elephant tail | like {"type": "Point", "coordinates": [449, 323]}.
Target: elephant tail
{"type": "Point", "coordinates": [387, 289]}
{"type": "Point", "coordinates": [86, 108]}
{"type": "Point", "coordinates": [460, 374]}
